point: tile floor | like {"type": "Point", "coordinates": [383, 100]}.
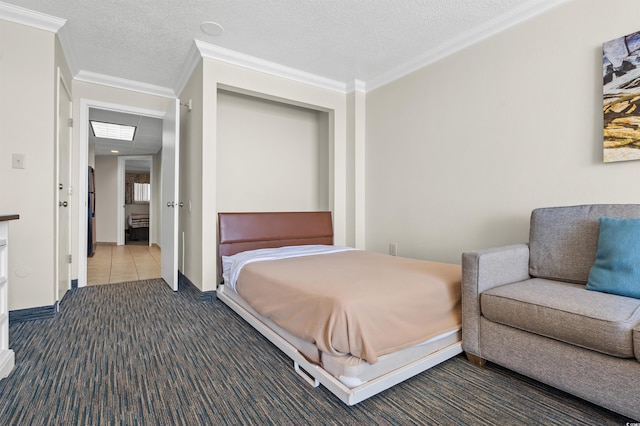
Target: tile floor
{"type": "Point", "coordinates": [115, 264]}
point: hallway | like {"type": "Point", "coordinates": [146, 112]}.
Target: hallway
{"type": "Point", "coordinates": [115, 264]}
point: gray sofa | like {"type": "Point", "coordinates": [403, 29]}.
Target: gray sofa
{"type": "Point", "coordinates": [525, 307]}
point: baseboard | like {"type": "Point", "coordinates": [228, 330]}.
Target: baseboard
{"type": "Point", "coordinates": [31, 314]}
{"type": "Point", "coordinates": [184, 284]}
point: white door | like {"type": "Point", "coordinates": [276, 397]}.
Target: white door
{"type": "Point", "coordinates": [169, 203]}
{"type": "Point", "coordinates": [63, 228]}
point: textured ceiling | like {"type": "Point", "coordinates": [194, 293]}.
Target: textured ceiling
{"type": "Point", "coordinates": [344, 40]}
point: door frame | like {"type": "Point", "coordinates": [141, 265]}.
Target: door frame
{"type": "Point", "coordinates": [122, 160]}
{"type": "Point", "coordinates": [61, 85]}
{"type": "Point", "coordinates": [83, 164]}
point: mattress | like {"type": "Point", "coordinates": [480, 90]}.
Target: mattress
{"type": "Point", "coordinates": [350, 370]}
{"type": "Point", "coordinates": [353, 302]}
{"type": "Point", "coordinates": [389, 294]}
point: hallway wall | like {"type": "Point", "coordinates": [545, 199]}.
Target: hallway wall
{"type": "Point", "coordinates": [29, 58]}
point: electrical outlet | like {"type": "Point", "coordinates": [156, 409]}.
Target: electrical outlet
{"type": "Point", "coordinates": [18, 161]}
{"type": "Point", "coordinates": [393, 249]}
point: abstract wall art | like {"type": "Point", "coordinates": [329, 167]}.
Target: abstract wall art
{"type": "Point", "coordinates": [621, 93]}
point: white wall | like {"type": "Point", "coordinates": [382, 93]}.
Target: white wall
{"type": "Point", "coordinates": [269, 156]}
{"type": "Point", "coordinates": [27, 126]}
{"type": "Point", "coordinates": [106, 172]}
{"type": "Point", "coordinates": [460, 152]}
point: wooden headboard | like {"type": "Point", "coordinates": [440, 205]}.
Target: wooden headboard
{"type": "Point", "coordinates": [249, 231]}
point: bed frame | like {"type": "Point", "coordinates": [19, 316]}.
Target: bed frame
{"type": "Point", "coordinates": [249, 231]}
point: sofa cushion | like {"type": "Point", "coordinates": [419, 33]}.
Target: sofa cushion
{"type": "Point", "coordinates": [563, 240]}
{"type": "Point", "coordinates": [617, 266]}
{"type": "Point", "coordinates": [567, 312]}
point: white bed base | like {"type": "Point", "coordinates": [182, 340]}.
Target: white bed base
{"type": "Point", "coordinates": [316, 375]}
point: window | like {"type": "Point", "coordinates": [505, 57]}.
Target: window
{"type": "Point", "coordinates": [141, 193]}
{"type": "Point", "coordinates": [137, 188]}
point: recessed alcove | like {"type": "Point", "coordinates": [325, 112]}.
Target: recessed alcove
{"type": "Point", "coordinates": [270, 155]}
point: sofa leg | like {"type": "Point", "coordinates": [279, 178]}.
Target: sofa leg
{"type": "Point", "coordinates": [476, 360]}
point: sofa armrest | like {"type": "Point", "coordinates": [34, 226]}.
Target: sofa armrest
{"type": "Point", "coordinates": [481, 271]}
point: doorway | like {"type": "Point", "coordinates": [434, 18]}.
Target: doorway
{"type": "Point", "coordinates": [133, 257]}
{"type": "Point", "coordinates": [88, 110]}
{"type": "Point", "coordinates": [137, 195]}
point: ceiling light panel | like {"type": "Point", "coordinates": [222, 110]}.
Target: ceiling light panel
{"type": "Point", "coordinates": [113, 131]}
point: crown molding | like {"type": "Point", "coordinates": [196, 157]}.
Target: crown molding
{"type": "Point", "coordinates": [221, 54]}
{"type": "Point", "coordinates": [67, 48]}
{"type": "Point", "coordinates": [356, 86]}
{"type": "Point", "coordinates": [202, 49]}
{"type": "Point", "coordinates": [474, 35]}
{"type": "Point", "coordinates": [23, 16]}
{"type": "Point", "coordinates": [193, 59]}
{"type": "Point", "coordinates": [121, 83]}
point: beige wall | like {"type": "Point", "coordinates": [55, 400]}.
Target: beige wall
{"type": "Point", "coordinates": [454, 157]}
{"type": "Point", "coordinates": [199, 154]}
{"type": "Point", "coordinates": [266, 86]}
{"type": "Point", "coordinates": [155, 206]}
{"type": "Point", "coordinates": [269, 156]}
{"type": "Point", "coordinates": [355, 168]}
{"type": "Point", "coordinates": [459, 152]}
{"type": "Point", "coordinates": [27, 126]}
{"type": "Point", "coordinates": [191, 184]}
{"type": "Point", "coordinates": [106, 172]}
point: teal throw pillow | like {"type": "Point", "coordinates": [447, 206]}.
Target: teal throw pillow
{"type": "Point", "coordinates": [616, 269]}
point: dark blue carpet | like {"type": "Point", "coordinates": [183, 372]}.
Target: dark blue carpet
{"type": "Point", "coordinates": [140, 354]}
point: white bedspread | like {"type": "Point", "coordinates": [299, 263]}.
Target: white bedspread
{"type": "Point", "coordinates": [232, 265]}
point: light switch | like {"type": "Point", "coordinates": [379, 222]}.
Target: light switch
{"type": "Point", "coordinates": [18, 161]}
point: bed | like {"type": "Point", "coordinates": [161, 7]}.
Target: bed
{"type": "Point", "coordinates": [138, 224]}
{"type": "Point", "coordinates": [338, 331]}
